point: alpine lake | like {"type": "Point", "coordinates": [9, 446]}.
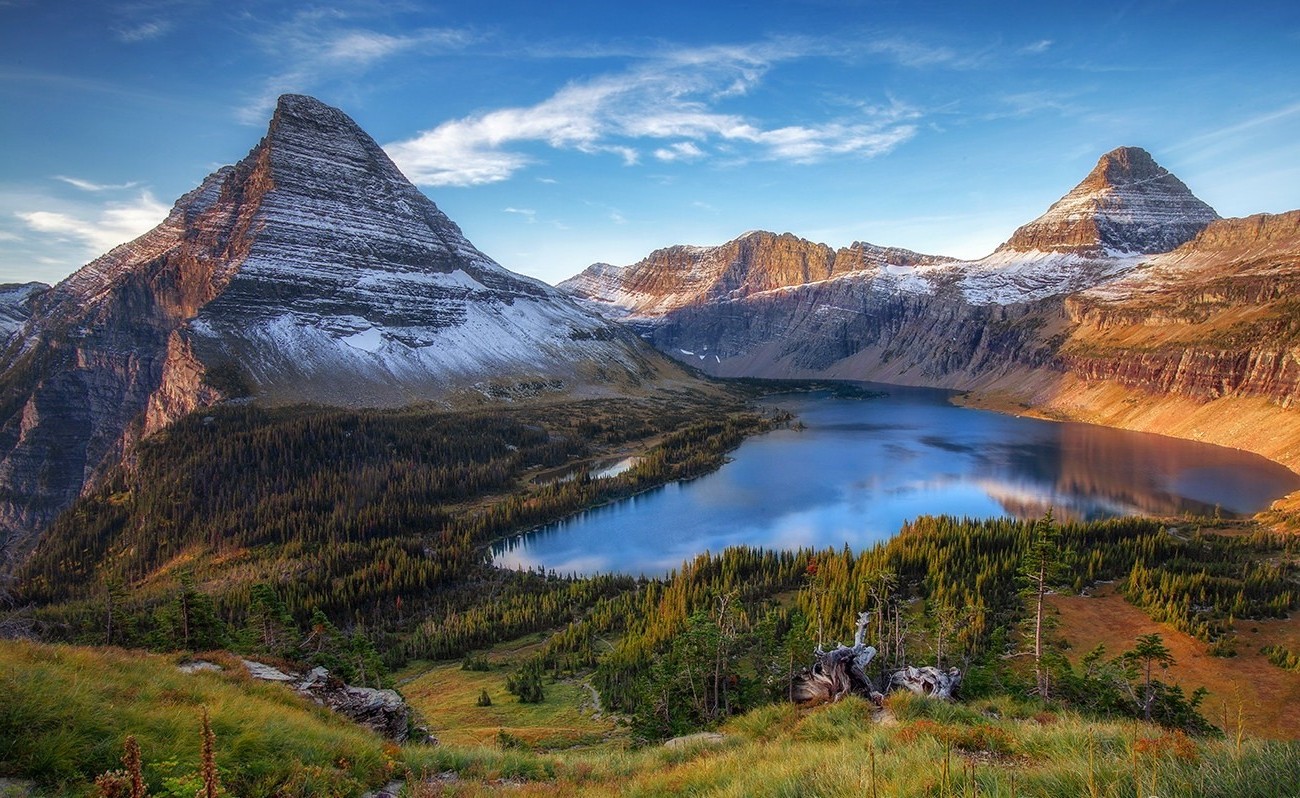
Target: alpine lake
{"type": "Point", "coordinates": [851, 469]}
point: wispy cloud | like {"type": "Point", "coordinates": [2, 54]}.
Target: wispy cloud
{"type": "Point", "coordinates": [1038, 47]}
{"type": "Point", "coordinates": [320, 44]}
{"type": "Point", "coordinates": [671, 102]}
{"type": "Point", "coordinates": [681, 151]}
{"type": "Point", "coordinates": [1211, 142]}
{"type": "Point", "coordinates": [917, 54]}
{"type": "Point", "coordinates": [87, 185]}
{"type": "Point", "coordinates": [529, 214]}
{"type": "Point", "coordinates": [142, 31]}
{"type": "Point", "coordinates": [99, 230]}
{"type": "Point", "coordinates": [1027, 103]}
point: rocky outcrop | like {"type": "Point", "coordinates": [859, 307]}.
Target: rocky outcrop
{"type": "Point", "coordinates": [311, 271]}
{"type": "Point", "coordinates": [381, 711]}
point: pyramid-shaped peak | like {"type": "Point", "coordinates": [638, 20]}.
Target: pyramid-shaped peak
{"type": "Point", "coordinates": [300, 109]}
{"type": "Point", "coordinates": [1126, 165]}
{"type": "Point", "coordinates": [1128, 203]}
{"type": "Point", "coordinates": [1130, 166]}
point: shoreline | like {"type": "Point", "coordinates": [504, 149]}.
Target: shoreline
{"type": "Point", "coordinates": [1246, 424]}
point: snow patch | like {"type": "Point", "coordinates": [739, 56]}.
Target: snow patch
{"type": "Point", "coordinates": [371, 340]}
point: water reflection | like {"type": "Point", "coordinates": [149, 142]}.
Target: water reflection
{"type": "Point", "coordinates": [858, 469]}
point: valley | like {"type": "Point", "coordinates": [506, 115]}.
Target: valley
{"type": "Point", "coordinates": [305, 421]}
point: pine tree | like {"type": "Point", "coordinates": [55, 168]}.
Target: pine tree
{"type": "Point", "coordinates": [270, 628]}
{"type": "Point", "coordinates": [1149, 651]}
{"type": "Point", "coordinates": [1043, 567]}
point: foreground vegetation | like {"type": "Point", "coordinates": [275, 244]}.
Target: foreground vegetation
{"type": "Point", "coordinates": [67, 711]}
{"type": "Point", "coordinates": [65, 721]}
{"type": "Point", "coordinates": [359, 541]}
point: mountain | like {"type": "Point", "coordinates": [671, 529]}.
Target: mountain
{"type": "Point", "coordinates": [758, 261]}
{"type": "Point", "coordinates": [1127, 204]}
{"type": "Point", "coordinates": [1127, 207]}
{"type": "Point", "coordinates": [1128, 295]}
{"type": "Point", "coordinates": [311, 271]}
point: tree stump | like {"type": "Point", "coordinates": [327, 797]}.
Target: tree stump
{"type": "Point", "coordinates": [838, 672]}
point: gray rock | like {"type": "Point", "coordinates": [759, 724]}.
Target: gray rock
{"type": "Point", "coordinates": [382, 711]}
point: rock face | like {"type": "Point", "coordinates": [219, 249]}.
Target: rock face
{"type": "Point", "coordinates": [311, 271]}
{"type": "Point", "coordinates": [683, 276]}
{"type": "Point", "coordinates": [1216, 317]}
{"type": "Point", "coordinates": [15, 305]}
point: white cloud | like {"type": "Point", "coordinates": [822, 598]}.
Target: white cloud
{"type": "Point", "coordinates": [101, 229]}
{"type": "Point", "coordinates": [143, 31]}
{"type": "Point", "coordinates": [529, 214]}
{"type": "Point", "coordinates": [681, 151]}
{"type": "Point", "coordinates": [1038, 47]}
{"type": "Point", "coordinates": [87, 185]}
{"type": "Point", "coordinates": [673, 96]}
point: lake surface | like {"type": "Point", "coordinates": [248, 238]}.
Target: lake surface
{"type": "Point", "coordinates": [859, 468]}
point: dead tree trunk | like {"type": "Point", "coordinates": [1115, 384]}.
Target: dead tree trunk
{"type": "Point", "coordinates": [843, 670]}
{"type": "Point", "coordinates": [927, 680]}
{"type": "Point", "coordinates": [838, 672]}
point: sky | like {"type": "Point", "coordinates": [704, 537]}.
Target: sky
{"type": "Point", "coordinates": [562, 134]}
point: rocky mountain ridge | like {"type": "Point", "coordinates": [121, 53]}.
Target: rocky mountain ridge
{"type": "Point", "coordinates": [1129, 280]}
{"type": "Point", "coordinates": [311, 271]}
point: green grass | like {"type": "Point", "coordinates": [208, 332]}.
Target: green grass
{"type": "Point", "coordinates": [66, 711]}
{"type": "Point", "coordinates": [446, 699]}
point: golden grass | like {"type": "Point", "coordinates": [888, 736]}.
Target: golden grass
{"type": "Point", "coordinates": [997, 749]}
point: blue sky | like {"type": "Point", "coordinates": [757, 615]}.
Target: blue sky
{"type": "Point", "coordinates": [560, 134]}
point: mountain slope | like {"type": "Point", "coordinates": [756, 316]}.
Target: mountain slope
{"type": "Point", "coordinates": [311, 271]}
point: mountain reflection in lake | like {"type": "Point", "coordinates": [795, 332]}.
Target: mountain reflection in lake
{"type": "Point", "coordinates": [861, 467]}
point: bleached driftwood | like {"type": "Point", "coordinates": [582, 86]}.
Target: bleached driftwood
{"type": "Point", "coordinates": [843, 671]}
{"type": "Point", "coordinates": [927, 680]}
{"type": "Point", "coordinates": [838, 672]}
